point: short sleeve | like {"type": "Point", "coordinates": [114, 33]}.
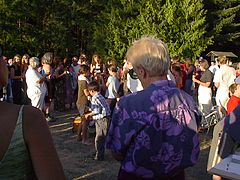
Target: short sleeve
{"type": "Point", "coordinates": [31, 77]}
{"type": "Point", "coordinates": [110, 79]}
{"type": "Point", "coordinates": [208, 76]}
{"type": "Point", "coordinates": [216, 77]}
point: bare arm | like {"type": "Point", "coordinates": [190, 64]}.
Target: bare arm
{"type": "Point", "coordinates": [42, 79]}
{"type": "Point", "coordinates": [217, 84]}
{"type": "Point", "coordinates": [206, 84]}
{"type": "Point", "coordinates": [40, 144]}
{"type": "Point", "coordinates": [107, 84]}
{"type": "Point", "coordinates": [60, 75]}
{"type": "Point", "coordinates": [86, 92]}
{"type": "Point", "coordinates": [89, 115]}
{"type": "Point", "coordinates": [92, 67]}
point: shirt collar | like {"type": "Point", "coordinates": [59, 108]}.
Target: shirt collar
{"type": "Point", "coordinates": [96, 95]}
{"type": "Point", "coordinates": [164, 83]}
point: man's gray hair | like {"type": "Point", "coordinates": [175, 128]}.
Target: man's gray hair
{"type": "Point", "coordinates": [150, 53]}
{"type": "Point", "coordinates": [47, 58]}
{"type": "Point", "coordinates": [33, 62]}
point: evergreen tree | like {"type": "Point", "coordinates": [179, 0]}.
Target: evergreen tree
{"type": "Point", "coordinates": [37, 26]}
{"type": "Point", "coordinates": [180, 23]}
{"type": "Point", "coordinates": [223, 18]}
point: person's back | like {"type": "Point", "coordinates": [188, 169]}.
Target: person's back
{"type": "Point", "coordinates": [163, 117]}
{"type": "Point", "coordinates": [113, 86]}
{"type": "Point", "coordinates": [227, 76]}
{"type": "Point", "coordinates": [16, 162]}
{"type": "Point", "coordinates": [27, 149]}
{"type": "Point", "coordinates": [153, 132]}
{"type": "Point", "coordinates": [223, 78]}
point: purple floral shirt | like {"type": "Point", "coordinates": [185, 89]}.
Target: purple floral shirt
{"type": "Point", "coordinates": [156, 130]}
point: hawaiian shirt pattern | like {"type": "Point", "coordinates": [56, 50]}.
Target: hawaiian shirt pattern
{"type": "Point", "coordinates": [99, 106]}
{"type": "Point", "coordinates": [156, 130]}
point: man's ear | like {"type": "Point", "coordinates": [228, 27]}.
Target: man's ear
{"type": "Point", "coordinates": [143, 72]}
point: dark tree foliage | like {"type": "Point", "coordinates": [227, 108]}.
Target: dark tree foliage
{"type": "Point", "coordinates": [69, 27]}
{"type": "Point", "coordinates": [223, 18]}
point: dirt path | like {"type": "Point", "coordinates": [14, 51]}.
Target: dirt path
{"type": "Point", "coordinates": [77, 158]}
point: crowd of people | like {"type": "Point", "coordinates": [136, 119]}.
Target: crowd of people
{"type": "Point", "coordinates": [26, 149]}
{"type": "Point", "coordinates": [52, 81]}
{"type": "Point", "coordinates": [146, 111]}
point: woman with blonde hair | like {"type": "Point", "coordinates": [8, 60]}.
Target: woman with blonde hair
{"type": "Point", "coordinates": [25, 63]}
{"type": "Point", "coordinates": [223, 78]}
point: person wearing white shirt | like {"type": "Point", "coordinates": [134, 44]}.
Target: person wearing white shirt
{"type": "Point", "coordinates": [133, 83]}
{"type": "Point", "coordinates": [223, 78]}
{"type": "Point", "coordinates": [36, 88]}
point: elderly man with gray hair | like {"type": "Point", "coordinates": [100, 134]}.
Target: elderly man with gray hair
{"type": "Point", "coordinates": [154, 131]}
{"type": "Point", "coordinates": [36, 88]}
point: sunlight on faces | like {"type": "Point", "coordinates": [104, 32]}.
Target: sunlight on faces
{"type": "Point", "coordinates": [25, 59]}
{"type": "Point", "coordinates": [150, 54]}
{"type": "Point", "coordinates": [17, 59]}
